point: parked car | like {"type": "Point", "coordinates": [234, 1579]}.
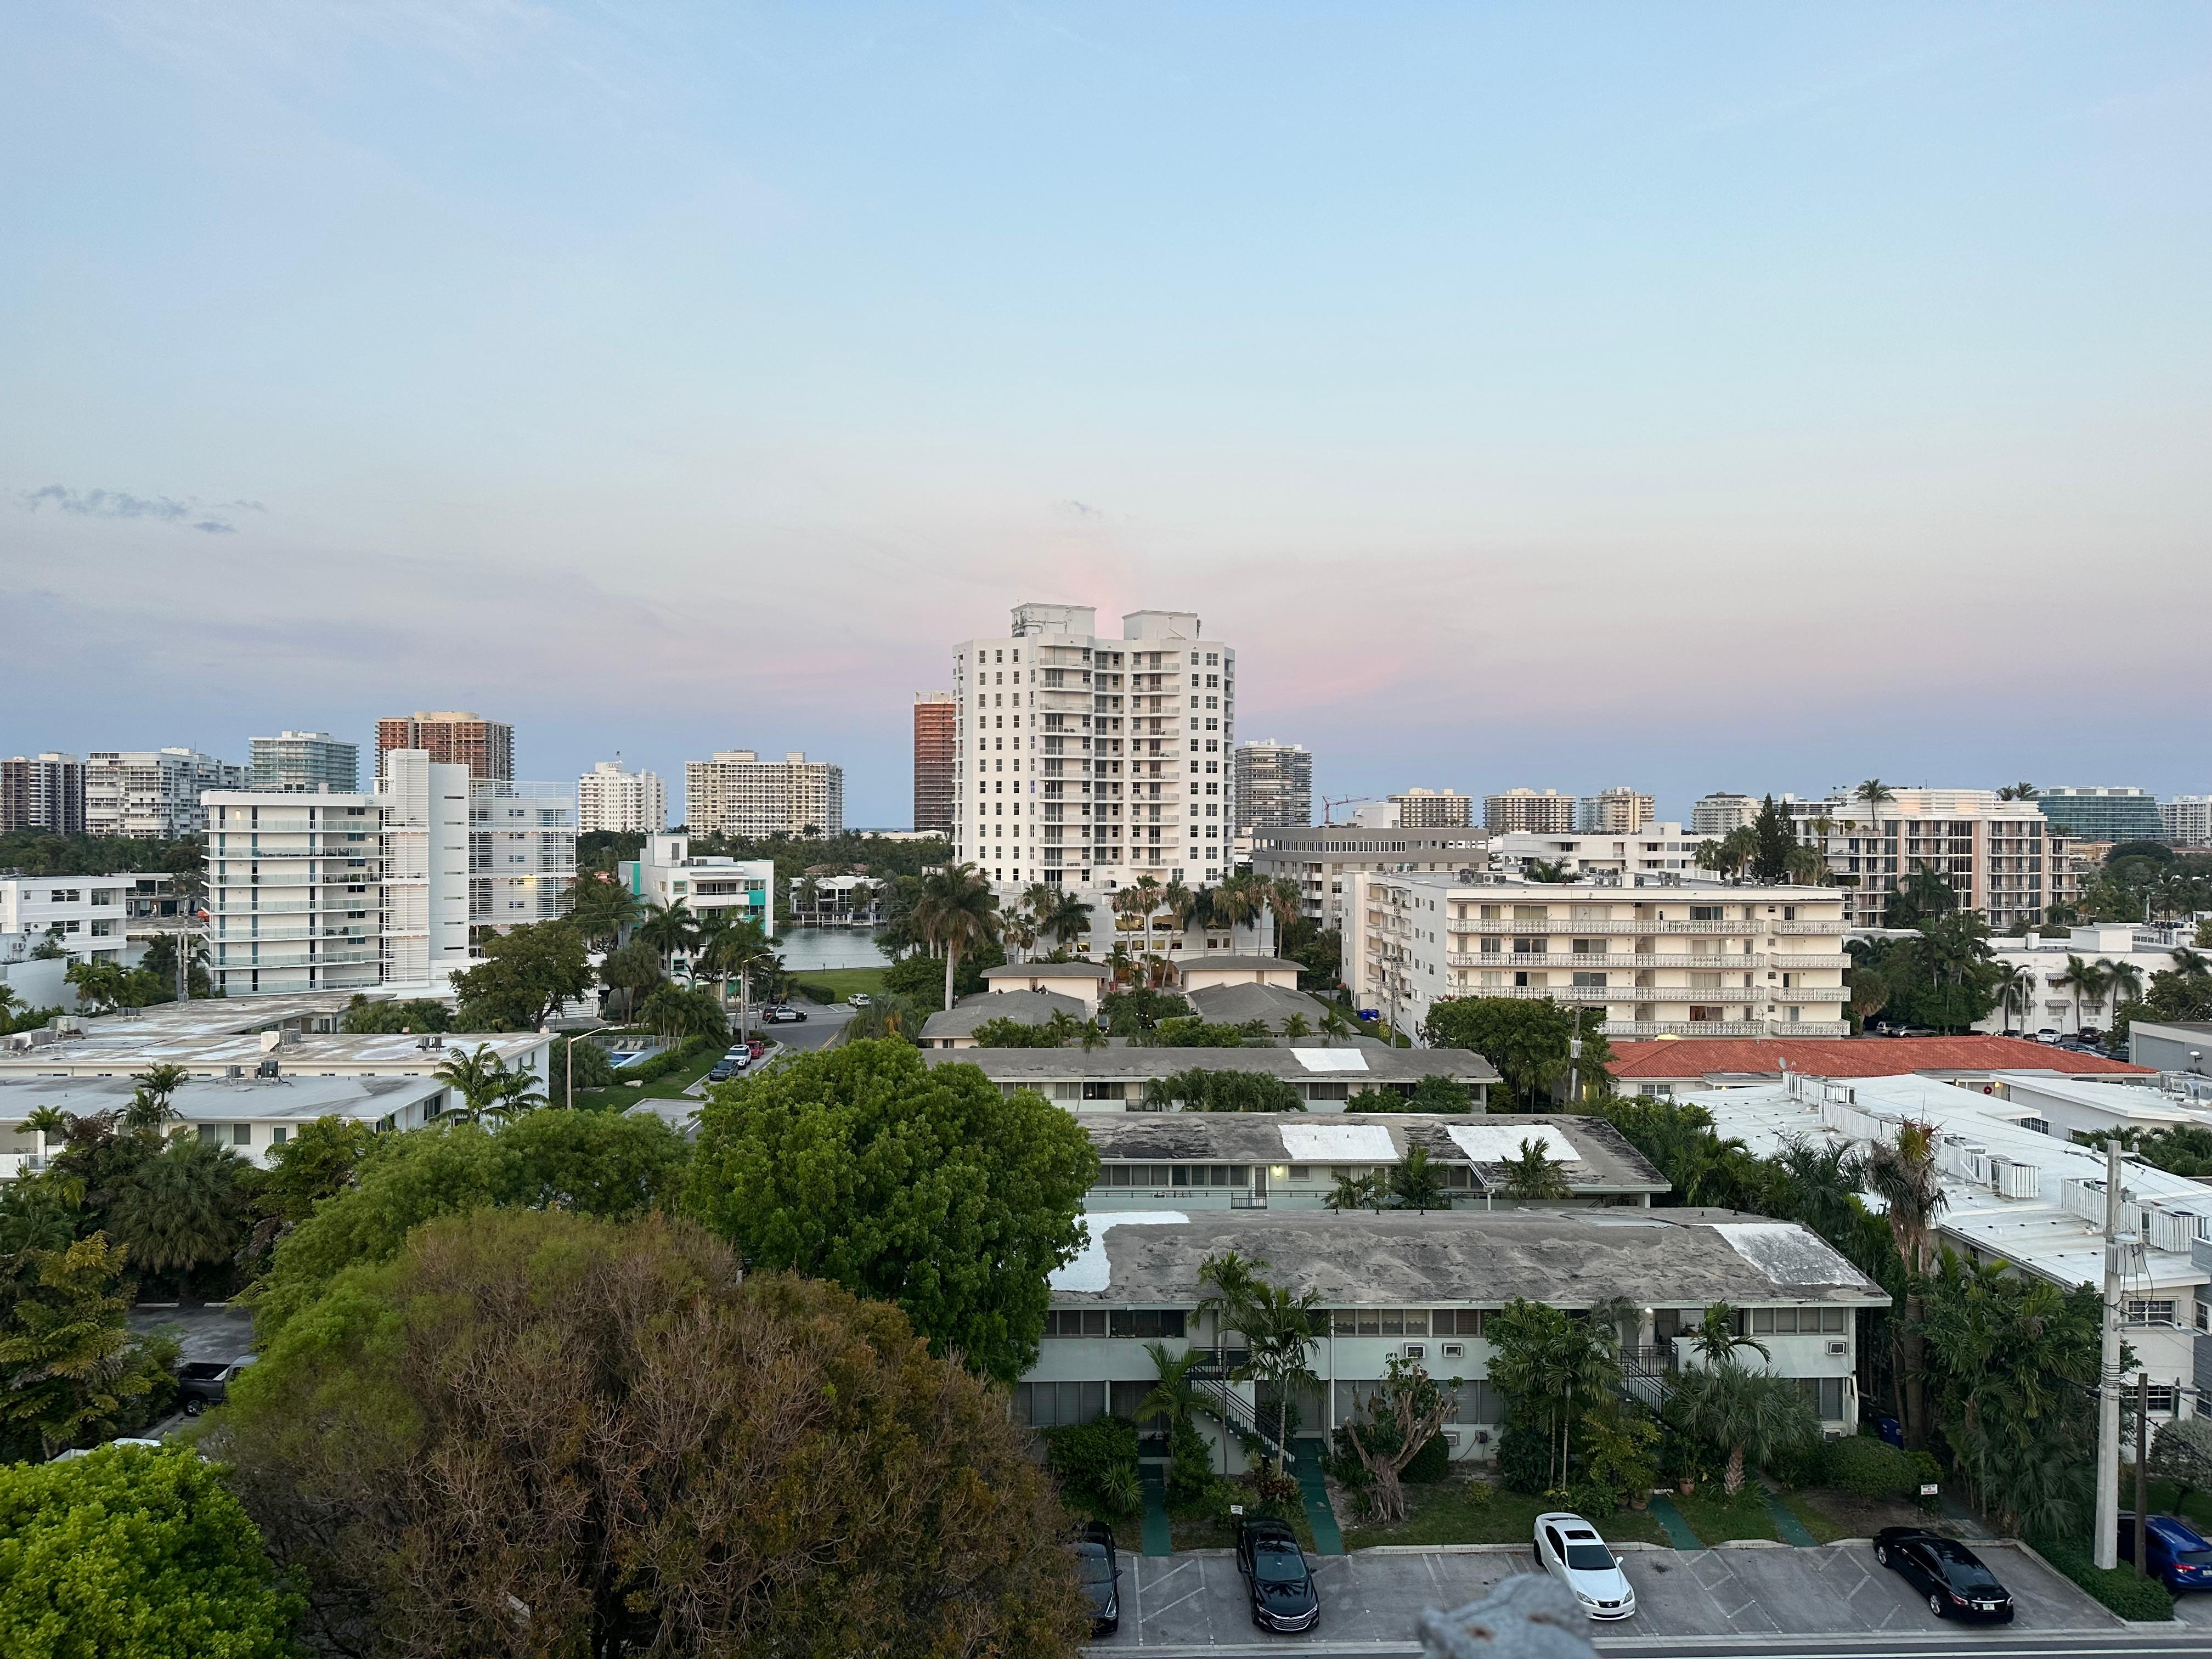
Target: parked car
{"type": "Point", "coordinates": [205, 1383]}
{"type": "Point", "coordinates": [87, 1451]}
{"type": "Point", "coordinates": [1276, 1577]}
{"type": "Point", "coordinates": [858, 1000]}
{"type": "Point", "coordinates": [1951, 1575]}
{"type": "Point", "coordinates": [755, 1048]}
{"type": "Point", "coordinates": [783, 1016]}
{"type": "Point", "coordinates": [1569, 1548]}
{"type": "Point", "coordinates": [723, 1070]}
{"type": "Point", "coordinates": [1099, 1570]}
{"type": "Point", "coordinates": [2180, 1556]}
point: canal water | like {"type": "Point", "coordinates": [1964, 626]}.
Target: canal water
{"type": "Point", "coordinates": [806, 948]}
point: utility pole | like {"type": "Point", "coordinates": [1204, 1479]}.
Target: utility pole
{"type": "Point", "coordinates": [2143, 1470]}
{"type": "Point", "coordinates": [1575, 1061]}
{"type": "Point", "coordinates": [2104, 1547]}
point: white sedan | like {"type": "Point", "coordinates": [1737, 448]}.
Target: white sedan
{"type": "Point", "coordinates": [1570, 1549]}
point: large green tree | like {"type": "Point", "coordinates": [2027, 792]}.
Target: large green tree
{"type": "Point", "coordinates": [185, 1210]}
{"type": "Point", "coordinates": [957, 912]}
{"type": "Point", "coordinates": [921, 1185]}
{"type": "Point", "coordinates": [525, 976]}
{"type": "Point", "coordinates": [597, 1163]}
{"type": "Point", "coordinates": [134, 1553]}
{"type": "Point", "coordinates": [70, 1369]}
{"type": "Point", "coordinates": [1526, 1039]}
{"type": "Point", "coordinates": [538, 1433]}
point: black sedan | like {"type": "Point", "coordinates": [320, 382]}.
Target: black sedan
{"type": "Point", "coordinates": [1951, 1575]}
{"type": "Point", "coordinates": [1276, 1575]}
{"type": "Point", "coordinates": [1098, 1569]}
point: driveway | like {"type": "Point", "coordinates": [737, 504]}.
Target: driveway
{"type": "Point", "coordinates": [205, 1332]}
{"type": "Point", "coordinates": [1196, 1601]}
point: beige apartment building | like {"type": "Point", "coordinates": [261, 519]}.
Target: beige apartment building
{"type": "Point", "coordinates": [1524, 811]}
{"type": "Point", "coordinates": [1663, 956]}
{"type": "Point", "coordinates": [1085, 760]}
{"type": "Point", "coordinates": [2000, 857]}
{"type": "Point", "coordinates": [1616, 812]}
{"type": "Point", "coordinates": [1323, 858]}
{"type": "Point", "coordinates": [1433, 809]}
{"type": "Point", "coordinates": [738, 793]}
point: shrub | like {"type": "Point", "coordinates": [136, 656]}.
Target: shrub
{"type": "Point", "coordinates": [821, 993]}
{"type": "Point", "coordinates": [1096, 1463]}
{"type": "Point", "coordinates": [2118, 1588]}
{"type": "Point", "coordinates": [1524, 1462]}
{"type": "Point", "coordinates": [1431, 1464]}
{"type": "Point", "coordinates": [1594, 1500]}
{"type": "Point", "coordinates": [1867, 1467]}
{"type": "Point", "coordinates": [667, 1060]}
{"type": "Point", "coordinates": [592, 1069]}
{"type": "Point", "coordinates": [1190, 1463]}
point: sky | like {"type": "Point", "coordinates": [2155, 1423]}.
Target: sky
{"type": "Point", "coordinates": [1698, 397]}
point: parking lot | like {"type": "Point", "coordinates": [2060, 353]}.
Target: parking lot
{"type": "Point", "coordinates": [1196, 1600]}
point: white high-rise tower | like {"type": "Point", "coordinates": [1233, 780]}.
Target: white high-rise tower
{"type": "Point", "coordinates": [1084, 761]}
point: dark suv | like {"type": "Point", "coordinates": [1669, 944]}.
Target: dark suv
{"type": "Point", "coordinates": [1276, 1577]}
{"type": "Point", "coordinates": [1099, 1570]}
{"type": "Point", "coordinates": [205, 1382]}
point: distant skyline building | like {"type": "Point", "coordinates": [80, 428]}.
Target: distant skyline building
{"type": "Point", "coordinates": [1524, 813]}
{"type": "Point", "coordinates": [1274, 786]}
{"type": "Point", "coordinates": [304, 762]}
{"type": "Point", "coordinates": [2188, 819]}
{"type": "Point", "coordinates": [1715, 815]}
{"type": "Point", "coordinates": [152, 793]}
{"type": "Point", "coordinates": [1090, 761]}
{"type": "Point", "coordinates": [738, 793]}
{"type": "Point", "coordinates": [2103, 814]}
{"type": "Point", "coordinates": [1434, 809]}
{"type": "Point", "coordinates": [450, 736]}
{"type": "Point", "coordinates": [2003, 858]}
{"type": "Point", "coordinates": [42, 792]}
{"type": "Point", "coordinates": [936, 743]}
{"type": "Point", "coordinates": [1619, 811]}
{"type": "Point", "coordinates": [610, 798]}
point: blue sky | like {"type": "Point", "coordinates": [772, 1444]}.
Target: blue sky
{"type": "Point", "coordinates": [1695, 396]}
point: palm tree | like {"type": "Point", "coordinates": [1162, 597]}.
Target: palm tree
{"type": "Point", "coordinates": [147, 1113]}
{"type": "Point", "coordinates": [1545, 870]}
{"type": "Point", "coordinates": [1738, 848]}
{"type": "Point", "coordinates": [1709, 855]}
{"type": "Point", "coordinates": [1540, 1353]}
{"type": "Point", "coordinates": [1175, 1398]}
{"type": "Point", "coordinates": [2015, 988]}
{"type": "Point", "coordinates": [1181, 903]}
{"type": "Point", "coordinates": [1278, 1330]}
{"type": "Point", "coordinates": [738, 952]}
{"type": "Point", "coordinates": [2086, 980]}
{"type": "Point", "coordinates": [602, 911]}
{"type": "Point", "coordinates": [669, 929]}
{"type": "Point", "coordinates": [1018, 930]}
{"type": "Point", "coordinates": [478, 1075]}
{"type": "Point", "coordinates": [1808, 865]}
{"type": "Point", "coordinates": [1902, 1174]}
{"type": "Point", "coordinates": [1236, 901]}
{"type": "Point", "coordinates": [1296, 1026]}
{"type": "Point", "coordinates": [1535, 1177]}
{"type": "Point", "coordinates": [1285, 902]}
{"type": "Point", "coordinates": [2018, 792]}
{"type": "Point", "coordinates": [181, 1211]}
{"type": "Point", "coordinates": [958, 910]}
{"type": "Point", "coordinates": [518, 1091]}
{"type": "Point", "coordinates": [1333, 1024]}
{"type": "Point", "coordinates": [1067, 917]}
{"type": "Point", "coordinates": [2191, 964]}
{"type": "Point", "coordinates": [2125, 980]}
{"type": "Point", "coordinates": [1757, 1415]}
{"type": "Point", "coordinates": [1717, 1342]}
{"type": "Point", "coordinates": [859, 899]}
{"type": "Point", "coordinates": [1352, 1192]}
{"type": "Point", "coordinates": [1873, 792]}
{"type": "Point", "coordinates": [1418, 1184]}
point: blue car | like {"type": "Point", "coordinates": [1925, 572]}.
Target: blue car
{"type": "Point", "coordinates": [2180, 1557]}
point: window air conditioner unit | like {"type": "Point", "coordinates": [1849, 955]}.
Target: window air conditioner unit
{"type": "Point", "coordinates": [1839, 1348]}
{"type": "Point", "coordinates": [1415, 1351]}
{"type": "Point", "coordinates": [1454, 1350]}
{"type": "Point", "coordinates": [1451, 1438]}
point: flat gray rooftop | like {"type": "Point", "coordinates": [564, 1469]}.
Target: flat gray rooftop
{"type": "Point", "coordinates": [1306, 1061]}
{"type": "Point", "coordinates": [221, 1100]}
{"type": "Point", "coordinates": [1573, 1258]}
{"type": "Point", "coordinates": [1595, 1156]}
{"type": "Point", "coordinates": [225, 1016]}
{"type": "Point", "coordinates": [120, 1050]}
{"type": "Point", "coordinates": [1030, 1007]}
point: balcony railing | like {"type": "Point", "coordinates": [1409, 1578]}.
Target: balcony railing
{"type": "Point", "coordinates": [1617, 960]}
{"type": "Point", "coordinates": [1809, 959]}
{"type": "Point", "coordinates": [1696, 1028]}
{"type": "Point", "coordinates": [1833, 929]}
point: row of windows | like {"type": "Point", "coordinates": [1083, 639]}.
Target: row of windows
{"type": "Point", "coordinates": [1115, 1321]}
{"type": "Point", "coordinates": [1798, 1321]}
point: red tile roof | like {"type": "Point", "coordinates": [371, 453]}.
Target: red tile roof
{"type": "Point", "coordinates": [1683, 1057]}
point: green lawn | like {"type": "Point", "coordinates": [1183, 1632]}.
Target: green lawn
{"type": "Point", "coordinates": [1470, 1512]}
{"type": "Point", "coordinates": [843, 980]}
{"type": "Point", "coordinates": [1211, 1530]}
{"type": "Point", "coordinates": [671, 1087]}
{"type": "Point", "coordinates": [1718, 1519]}
{"type": "Point", "coordinates": [2197, 1511]}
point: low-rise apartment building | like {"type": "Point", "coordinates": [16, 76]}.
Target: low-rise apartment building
{"type": "Point", "coordinates": [95, 918]}
{"type": "Point", "coordinates": [1112, 1078]}
{"type": "Point", "coordinates": [1421, 1287]}
{"type": "Point", "coordinates": [1683, 1065]}
{"type": "Point", "coordinates": [1321, 858]}
{"type": "Point", "coordinates": [1662, 958]}
{"type": "Point", "coordinates": [2056, 1005]}
{"type": "Point", "coordinates": [668, 873]}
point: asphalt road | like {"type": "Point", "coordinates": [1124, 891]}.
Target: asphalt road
{"type": "Point", "coordinates": [1980, 1643]}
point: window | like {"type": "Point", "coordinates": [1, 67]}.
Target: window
{"type": "Point", "coordinates": [1075, 1321]}
{"type": "Point", "coordinates": [1824, 1395]}
{"type": "Point", "coordinates": [241, 1134]}
{"type": "Point", "coordinates": [1589, 979]}
{"type": "Point", "coordinates": [1705, 912]}
{"type": "Point", "coordinates": [1149, 1323]}
{"type": "Point", "coordinates": [2142, 1310]}
{"type": "Point", "coordinates": [1457, 1321]}
{"type": "Point", "coordinates": [278, 1135]}
{"type": "Point", "coordinates": [1058, 1404]}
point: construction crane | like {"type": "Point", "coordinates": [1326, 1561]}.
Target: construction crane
{"type": "Point", "coordinates": [1329, 807]}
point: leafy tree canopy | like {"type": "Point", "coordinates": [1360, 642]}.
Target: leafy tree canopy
{"type": "Point", "coordinates": [602, 1429]}
{"type": "Point", "coordinates": [70, 1370]}
{"type": "Point", "coordinates": [1134, 1013]}
{"type": "Point", "coordinates": [1525, 1039]}
{"type": "Point", "coordinates": [525, 976]}
{"type": "Point", "coordinates": [924, 1186]}
{"type": "Point", "coordinates": [596, 1164]}
{"type": "Point", "coordinates": [134, 1553]}
{"type": "Point", "coordinates": [364, 1018]}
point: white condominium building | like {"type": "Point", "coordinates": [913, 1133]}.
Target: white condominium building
{"type": "Point", "coordinates": [1085, 760]}
{"type": "Point", "coordinates": [1523, 811]}
{"type": "Point", "coordinates": [1323, 858]}
{"type": "Point", "coordinates": [152, 793]}
{"type": "Point", "coordinates": [1274, 785]}
{"type": "Point", "coordinates": [2187, 819]}
{"type": "Point", "coordinates": [100, 918]}
{"type": "Point", "coordinates": [333, 891]}
{"type": "Point", "coordinates": [668, 873]}
{"type": "Point", "coordinates": [739, 794]}
{"type": "Point", "coordinates": [1616, 812]}
{"type": "Point", "coordinates": [2000, 857]}
{"type": "Point", "coordinates": [1649, 850]}
{"type": "Point", "coordinates": [309, 760]}
{"type": "Point", "coordinates": [610, 799]}
{"type": "Point", "coordinates": [1663, 957]}
{"type": "Point", "coordinates": [1714, 816]}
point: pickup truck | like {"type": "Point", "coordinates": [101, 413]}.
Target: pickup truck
{"type": "Point", "coordinates": [205, 1383]}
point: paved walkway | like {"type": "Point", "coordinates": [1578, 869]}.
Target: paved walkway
{"type": "Point", "coordinates": [1159, 1536]}
{"type": "Point", "coordinates": [1786, 1526]}
{"type": "Point", "coordinates": [1327, 1541]}
{"type": "Point", "coordinates": [1670, 1519]}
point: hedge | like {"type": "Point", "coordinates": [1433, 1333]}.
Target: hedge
{"type": "Point", "coordinates": [821, 994]}
{"type": "Point", "coordinates": [669, 1059]}
{"type": "Point", "coordinates": [2119, 1589]}
{"type": "Point", "coordinates": [1867, 1466]}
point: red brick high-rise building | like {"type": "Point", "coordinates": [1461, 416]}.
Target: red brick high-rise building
{"type": "Point", "coordinates": [936, 727]}
{"type": "Point", "coordinates": [485, 747]}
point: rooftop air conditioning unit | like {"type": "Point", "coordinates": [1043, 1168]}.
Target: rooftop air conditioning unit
{"type": "Point", "coordinates": [1415, 1351]}
{"type": "Point", "coordinates": [2019, 1181]}
{"type": "Point", "coordinates": [234, 1071]}
{"type": "Point", "coordinates": [1839, 1349]}
{"type": "Point", "coordinates": [1454, 1350]}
